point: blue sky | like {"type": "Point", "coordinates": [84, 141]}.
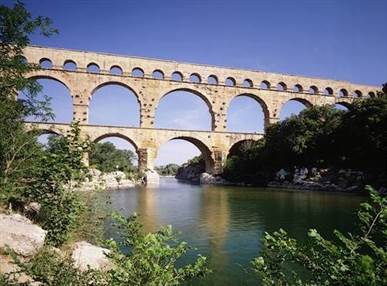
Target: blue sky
{"type": "Point", "coordinates": [345, 40]}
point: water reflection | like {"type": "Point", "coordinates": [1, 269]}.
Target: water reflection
{"type": "Point", "coordinates": [226, 223]}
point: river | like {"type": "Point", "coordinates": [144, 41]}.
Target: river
{"type": "Point", "coordinates": [226, 223]}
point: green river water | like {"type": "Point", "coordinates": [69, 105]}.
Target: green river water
{"type": "Point", "coordinates": [226, 223]}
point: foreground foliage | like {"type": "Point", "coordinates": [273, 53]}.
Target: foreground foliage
{"type": "Point", "coordinates": [352, 259]}
{"type": "Point", "coordinates": [150, 260]}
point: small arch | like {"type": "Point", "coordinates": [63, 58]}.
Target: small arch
{"type": "Point", "coordinates": [212, 79]}
{"type": "Point", "coordinates": [93, 68]}
{"type": "Point", "coordinates": [158, 74]}
{"type": "Point", "coordinates": [177, 76]}
{"type": "Point", "coordinates": [195, 78]}
{"type": "Point", "coordinates": [357, 93]}
{"type": "Point", "coordinates": [343, 92]}
{"type": "Point", "coordinates": [116, 70]}
{"type": "Point", "coordinates": [230, 81]}
{"type": "Point", "coordinates": [137, 72]}
{"type": "Point", "coordinates": [313, 89]}
{"type": "Point", "coordinates": [248, 83]}
{"type": "Point", "coordinates": [328, 91]}
{"type": "Point", "coordinates": [45, 63]}
{"type": "Point", "coordinates": [298, 88]}
{"type": "Point", "coordinates": [69, 65]}
{"type": "Point", "coordinates": [265, 84]}
{"type": "Point", "coordinates": [371, 94]}
{"type": "Point", "coordinates": [281, 86]}
{"type": "Point", "coordinates": [22, 59]}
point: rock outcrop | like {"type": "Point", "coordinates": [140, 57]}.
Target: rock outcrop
{"type": "Point", "coordinates": [20, 234]}
{"type": "Point", "coordinates": [86, 255]}
{"type": "Point", "coordinates": [109, 181]}
{"type": "Point", "coordinates": [208, 179]}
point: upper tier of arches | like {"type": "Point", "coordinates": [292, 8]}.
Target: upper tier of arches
{"type": "Point", "coordinates": [73, 61]}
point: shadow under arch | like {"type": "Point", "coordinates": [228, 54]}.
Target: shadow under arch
{"type": "Point", "coordinates": [195, 92]}
{"type": "Point", "coordinates": [347, 105]}
{"type": "Point", "coordinates": [203, 148]}
{"type": "Point", "coordinates": [260, 101]}
{"type": "Point", "coordinates": [240, 147]}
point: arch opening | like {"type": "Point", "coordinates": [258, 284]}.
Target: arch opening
{"type": "Point", "coordinates": [230, 81]}
{"type": "Point", "coordinates": [343, 92]}
{"type": "Point", "coordinates": [281, 86]}
{"type": "Point", "coordinates": [184, 109]}
{"type": "Point", "coordinates": [239, 148]}
{"type": "Point", "coordinates": [247, 113]}
{"type": "Point", "coordinates": [293, 107]}
{"type": "Point", "coordinates": [93, 68]}
{"type": "Point", "coordinates": [313, 90]}
{"type": "Point", "coordinates": [58, 96]}
{"type": "Point", "coordinates": [158, 74]}
{"type": "Point", "coordinates": [114, 104]}
{"type": "Point", "coordinates": [265, 84]}
{"type": "Point", "coordinates": [177, 76]}
{"type": "Point", "coordinates": [357, 93]}
{"type": "Point", "coordinates": [116, 70]}
{"type": "Point", "coordinates": [195, 78]}
{"type": "Point", "coordinates": [212, 79]}
{"type": "Point", "coordinates": [248, 83]}
{"type": "Point", "coordinates": [137, 72]}
{"type": "Point", "coordinates": [114, 152]}
{"type": "Point", "coordinates": [45, 63]}
{"type": "Point", "coordinates": [371, 94]}
{"type": "Point", "coordinates": [297, 88]}
{"type": "Point", "coordinates": [70, 65]}
{"type": "Point", "coordinates": [328, 91]}
{"type": "Point", "coordinates": [342, 106]}
{"type": "Point", "coordinates": [179, 150]}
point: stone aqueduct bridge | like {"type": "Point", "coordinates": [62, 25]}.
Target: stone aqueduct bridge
{"type": "Point", "coordinates": [150, 80]}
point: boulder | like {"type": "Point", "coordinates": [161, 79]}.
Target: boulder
{"type": "Point", "coordinates": [208, 179]}
{"type": "Point", "coordinates": [7, 266]}
{"type": "Point", "coordinates": [152, 178]}
{"type": "Point", "coordinates": [20, 234]}
{"type": "Point", "coordinates": [86, 255]}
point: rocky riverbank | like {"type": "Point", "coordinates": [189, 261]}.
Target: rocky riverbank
{"type": "Point", "coordinates": [343, 180]}
{"type": "Point", "coordinates": [108, 181]}
{"type": "Point", "coordinates": [21, 236]}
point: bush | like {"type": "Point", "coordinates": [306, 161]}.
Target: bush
{"type": "Point", "coordinates": [352, 259]}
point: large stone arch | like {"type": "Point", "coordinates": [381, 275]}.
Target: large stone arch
{"type": "Point", "coordinates": [119, 83]}
{"type": "Point", "coordinates": [195, 92]}
{"type": "Point", "coordinates": [259, 100]}
{"type": "Point", "coordinates": [130, 92]}
{"type": "Point", "coordinates": [56, 77]}
{"type": "Point", "coordinates": [304, 101]}
{"type": "Point", "coordinates": [118, 135]}
{"type": "Point", "coordinates": [203, 148]}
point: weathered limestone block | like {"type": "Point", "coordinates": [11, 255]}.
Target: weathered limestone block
{"type": "Point", "coordinates": [86, 255]}
{"type": "Point", "coordinates": [20, 234]}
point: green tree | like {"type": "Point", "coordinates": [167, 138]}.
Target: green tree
{"type": "Point", "coordinates": [351, 259]}
{"type": "Point", "coordinates": [107, 158]}
{"type": "Point", "coordinates": [17, 147]}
